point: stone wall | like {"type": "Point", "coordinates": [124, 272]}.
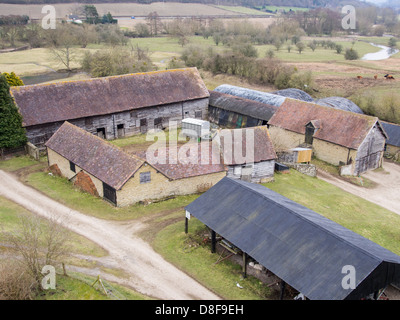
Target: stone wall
{"type": "Point", "coordinates": [161, 187]}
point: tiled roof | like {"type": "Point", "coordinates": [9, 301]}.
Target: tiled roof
{"type": "Point", "coordinates": [235, 145]}
{"type": "Point", "coordinates": [340, 127]}
{"type": "Point", "coordinates": [201, 158]}
{"type": "Point", "coordinates": [98, 157]}
{"type": "Point", "coordinates": [61, 101]}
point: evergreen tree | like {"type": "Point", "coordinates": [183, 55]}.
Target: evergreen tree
{"type": "Point", "coordinates": [12, 134]}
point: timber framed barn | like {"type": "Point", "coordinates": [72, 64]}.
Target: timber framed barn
{"type": "Point", "coordinates": [102, 169]}
{"type": "Point", "coordinates": [339, 137]}
{"type": "Point", "coordinates": [112, 107]}
{"type": "Point", "coordinates": [307, 251]}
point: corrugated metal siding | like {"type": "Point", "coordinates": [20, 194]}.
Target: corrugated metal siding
{"type": "Point", "coordinates": [301, 247]}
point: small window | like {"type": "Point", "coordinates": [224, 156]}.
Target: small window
{"type": "Point", "coordinates": [143, 122]}
{"type": "Point", "coordinates": [158, 122]}
{"type": "Point", "coordinates": [198, 114]}
{"type": "Point", "coordinates": [72, 166]}
{"type": "Point", "coordinates": [145, 177]}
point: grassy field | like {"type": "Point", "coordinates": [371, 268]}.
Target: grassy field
{"type": "Point", "coordinates": [243, 10]}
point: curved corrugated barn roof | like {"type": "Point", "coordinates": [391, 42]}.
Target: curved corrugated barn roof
{"type": "Point", "coordinates": [340, 103]}
{"type": "Point", "coordinates": [294, 94]}
{"type": "Point", "coordinates": [250, 94]}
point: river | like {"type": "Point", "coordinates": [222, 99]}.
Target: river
{"type": "Point", "coordinates": [383, 54]}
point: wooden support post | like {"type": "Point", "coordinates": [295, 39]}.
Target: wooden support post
{"type": "Point", "coordinates": [283, 286]}
{"type": "Point", "coordinates": [244, 268]}
{"type": "Point", "coordinates": [186, 225]}
{"type": "Point", "coordinates": [213, 241]}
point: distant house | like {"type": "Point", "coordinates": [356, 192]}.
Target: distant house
{"type": "Point", "coordinates": [393, 142]}
{"type": "Point", "coordinates": [112, 107]}
{"type": "Point", "coordinates": [248, 153]}
{"type": "Point", "coordinates": [104, 170]}
{"type": "Point", "coordinates": [336, 136]}
{"type": "Point", "coordinates": [235, 112]}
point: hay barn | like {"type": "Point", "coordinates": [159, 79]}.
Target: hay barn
{"type": "Point", "coordinates": [307, 251]}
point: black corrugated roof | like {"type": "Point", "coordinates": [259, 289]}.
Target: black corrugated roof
{"type": "Point", "coordinates": [255, 109]}
{"type": "Point", "coordinates": [305, 249]}
{"type": "Point", "coordinates": [393, 132]}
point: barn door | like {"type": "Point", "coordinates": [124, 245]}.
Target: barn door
{"type": "Point", "coordinates": [309, 134]}
{"type": "Point", "coordinates": [109, 193]}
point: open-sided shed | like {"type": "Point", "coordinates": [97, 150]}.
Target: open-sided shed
{"type": "Point", "coordinates": [306, 250]}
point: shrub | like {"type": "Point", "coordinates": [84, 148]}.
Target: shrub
{"type": "Point", "coordinates": [351, 54]}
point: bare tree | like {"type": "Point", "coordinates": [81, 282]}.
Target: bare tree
{"type": "Point", "coordinates": [36, 243]}
{"type": "Point", "coordinates": [62, 42]}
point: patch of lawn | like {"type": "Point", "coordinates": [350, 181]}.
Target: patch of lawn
{"type": "Point", "coordinates": [79, 287]}
{"type": "Point", "coordinates": [64, 192]}
{"type": "Point", "coordinates": [198, 261]}
{"type": "Point", "coordinates": [11, 212]}
{"type": "Point", "coordinates": [243, 10]}
{"type": "Point", "coordinates": [16, 163]}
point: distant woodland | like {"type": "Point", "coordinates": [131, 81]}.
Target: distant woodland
{"type": "Point", "coordinates": [247, 3]}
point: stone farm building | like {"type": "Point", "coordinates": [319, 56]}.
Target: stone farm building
{"type": "Point", "coordinates": [104, 170]}
{"type": "Point", "coordinates": [248, 153]}
{"type": "Point", "coordinates": [336, 136]}
{"type": "Point", "coordinates": [112, 107]}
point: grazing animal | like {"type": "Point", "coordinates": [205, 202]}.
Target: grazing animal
{"type": "Point", "coordinates": [375, 76]}
{"type": "Point", "coordinates": [389, 77]}
{"type": "Point", "coordinates": [359, 77]}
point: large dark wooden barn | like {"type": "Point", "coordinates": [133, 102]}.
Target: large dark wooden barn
{"type": "Point", "coordinates": [112, 107]}
{"type": "Point", "coordinates": [305, 250]}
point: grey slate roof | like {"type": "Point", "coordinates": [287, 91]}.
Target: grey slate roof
{"type": "Point", "coordinates": [393, 132]}
{"type": "Point", "coordinates": [305, 249]}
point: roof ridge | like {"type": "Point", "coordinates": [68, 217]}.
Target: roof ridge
{"type": "Point", "coordinates": [19, 88]}
{"type": "Point", "coordinates": [314, 223]}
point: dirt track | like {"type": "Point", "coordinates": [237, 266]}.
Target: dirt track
{"type": "Point", "coordinates": [386, 193]}
{"type": "Point", "coordinates": [149, 273]}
